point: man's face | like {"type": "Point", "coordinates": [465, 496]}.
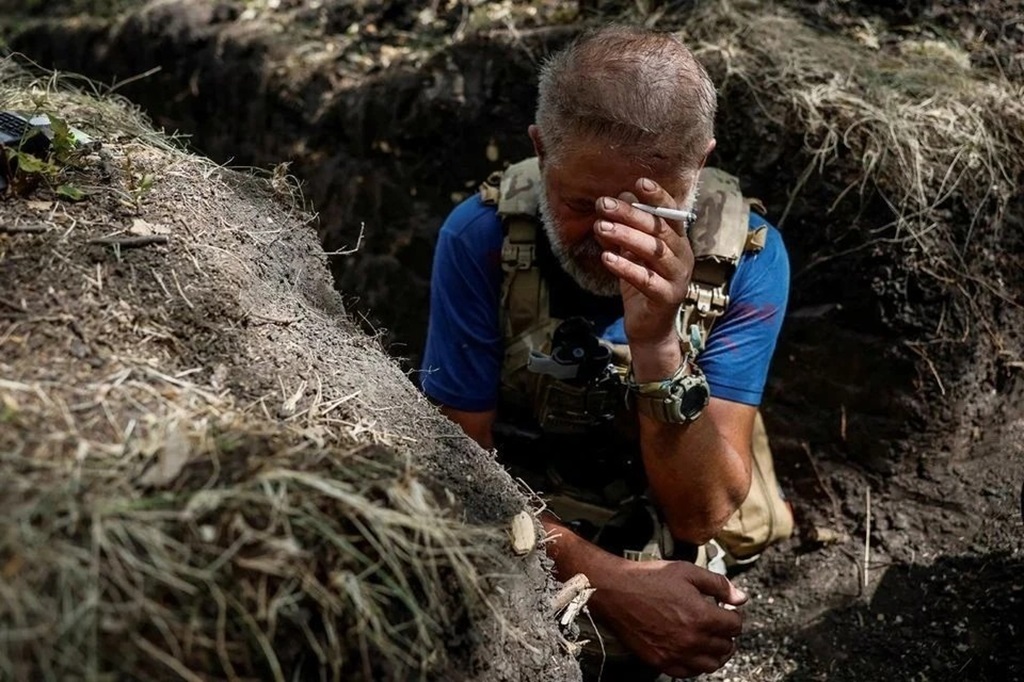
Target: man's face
{"type": "Point", "coordinates": [573, 182]}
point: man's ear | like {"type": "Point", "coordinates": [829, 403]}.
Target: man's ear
{"type": "Point", "coordinates": [707, 152]}
{"type": "Point", "coordinates": [538, 144]}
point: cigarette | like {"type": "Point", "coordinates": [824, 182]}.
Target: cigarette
{"type": "Point", "coordinates": [667, 213]}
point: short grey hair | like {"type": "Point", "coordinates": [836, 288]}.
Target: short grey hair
{"type": "Point", "coordinates": [638, 88]}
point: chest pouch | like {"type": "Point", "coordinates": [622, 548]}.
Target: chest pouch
{"type": "Point", "coordinates": [578, 386]}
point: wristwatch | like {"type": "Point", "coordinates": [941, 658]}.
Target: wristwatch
{"type": "Point", "coordinates": [680, 399]}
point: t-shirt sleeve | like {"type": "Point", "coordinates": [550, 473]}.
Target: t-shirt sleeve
{"type": "Point", "coordinates": [741, 344]}
{"type": "Point", "coordinates": [462, 361]}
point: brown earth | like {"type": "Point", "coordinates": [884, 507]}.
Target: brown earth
{"type": "Point", "coordinates": [893, 374]}
{"type": "Point", "coordinates": [196, 421]}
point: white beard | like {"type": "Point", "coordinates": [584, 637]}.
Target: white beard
{"type": "Point", "coordinates": [575, 259]}
{"type": "Point", "coordinates": [596, 279]}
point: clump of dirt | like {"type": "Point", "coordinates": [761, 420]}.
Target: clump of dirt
{"type": "Point", "coordinates": [208, 472]}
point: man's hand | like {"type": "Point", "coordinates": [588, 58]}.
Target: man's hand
{"type": "Point", "coordinates": [661, 610]}
{"type": "Point", "coordinates": [653, 260]}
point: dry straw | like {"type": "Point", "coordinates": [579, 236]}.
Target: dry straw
{"type": "Point", "coordinates": [159, 523]}
{"type": "Point", "coordinates": [941, 143]}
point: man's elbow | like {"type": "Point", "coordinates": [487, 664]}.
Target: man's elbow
{"type": "Point", "coordinates": [705, 522]}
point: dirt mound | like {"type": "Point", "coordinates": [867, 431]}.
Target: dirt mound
{"type": "Point", "coordinates": [208, 472]}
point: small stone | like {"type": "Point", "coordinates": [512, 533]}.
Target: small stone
{"type": "Point", "coordinates": [524, 535]}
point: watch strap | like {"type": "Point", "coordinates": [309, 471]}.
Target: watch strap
{"type": "Point", "coordinates": [679, 399]}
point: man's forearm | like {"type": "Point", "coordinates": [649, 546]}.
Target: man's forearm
{"type": "Point", "coordinates": [572, 555]}
{"type": "Point", "coordinates": [697, 477]}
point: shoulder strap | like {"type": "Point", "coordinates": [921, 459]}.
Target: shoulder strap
{"type": "Point", "coordinates": [516, 193]}
{"type": "Point", "coordinates": [520, 189]}
{"type": "Point", "coordinates": [719, 236]}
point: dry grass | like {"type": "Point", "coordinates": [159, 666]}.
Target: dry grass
{"type": "Point", "coordinates": [213, 542]}
{"type": "Point", "coordinates": [168, 509]}
{"type": "Point", "coordinates": [914, 123]}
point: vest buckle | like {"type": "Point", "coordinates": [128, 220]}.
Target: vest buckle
{"type": "Point", "coordinates": [517, 256]}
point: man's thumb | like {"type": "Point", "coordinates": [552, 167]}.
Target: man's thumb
{"type": "Point", "coordinates": [719, 587]}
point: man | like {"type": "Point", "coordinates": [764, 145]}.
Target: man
{"type": "Point", "coordinates": [624, 116]}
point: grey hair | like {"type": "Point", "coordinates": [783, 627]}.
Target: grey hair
{"type": "Point", "coordinates": [631, 87]}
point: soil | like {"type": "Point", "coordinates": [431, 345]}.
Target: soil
{"type": "Point", "coordinates": [389, 116]}
{"type": "Point", "coordinates": [233, 302]}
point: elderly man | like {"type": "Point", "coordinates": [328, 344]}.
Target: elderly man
{"type": "Point", "coordinates": [569, 328]}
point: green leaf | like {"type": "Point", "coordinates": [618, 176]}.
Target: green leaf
{"type": "Point", "coordinates": [63, 140]}
{"type": "Point", "coordinates": [71, 192]}
{"type": "Point", "coordinates": [60, 127]}
{"type": "Point", "coordinates": [30, 164]}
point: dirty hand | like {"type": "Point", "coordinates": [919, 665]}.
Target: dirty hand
{"type": "Point", "coordinates": [663, 613]}
{"type": "Point", "coordinates": [651, 257]}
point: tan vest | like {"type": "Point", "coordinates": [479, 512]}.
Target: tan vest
{"type": "Point", "coordinates": [719, 237]}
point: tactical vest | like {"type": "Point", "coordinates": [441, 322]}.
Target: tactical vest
{"type": "Point", "coordinates": [719, 236]}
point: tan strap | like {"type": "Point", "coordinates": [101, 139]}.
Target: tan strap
{"type": "Point", "coordinates": [519, 249]}
{"type": "Point", "coordinates": [525, 302]}
{"type": "Point", "coordinates": [520, 189]}
{"type": "Point", "coordinates": [524, 293]}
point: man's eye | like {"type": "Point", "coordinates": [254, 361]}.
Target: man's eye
{"type": "Point", "coordinates": [580, 206]}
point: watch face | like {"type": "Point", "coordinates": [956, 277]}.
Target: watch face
{"type": "Point", "coordinates": [694, 400]}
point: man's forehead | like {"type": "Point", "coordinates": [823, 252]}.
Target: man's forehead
{"type": "Point", "coordinates": [601, 167]}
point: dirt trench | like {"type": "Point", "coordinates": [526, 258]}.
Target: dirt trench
{"type": "Point", "coordinates": [208, 470]}
{"type": "Point", "coordinates": [885, 378]}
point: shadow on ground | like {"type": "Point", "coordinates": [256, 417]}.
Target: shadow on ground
{"type": "Point", "coordinates": [960, 618]}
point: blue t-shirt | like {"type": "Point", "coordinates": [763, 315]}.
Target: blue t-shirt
{"type": "Point", "coordinates": [462, 362]}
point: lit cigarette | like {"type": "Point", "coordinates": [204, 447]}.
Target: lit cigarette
{"type": "Point", "coordinates": [667, 213]}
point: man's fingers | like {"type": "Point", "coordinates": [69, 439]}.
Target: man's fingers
{"type": "Point", "coordinates": [718, 647]}
{"type": "Point", "coordinates": [649, 282]}
{"type": "Point", "coordinates": [718, 586]}
{"type": "Point", "coordinates": [650, 192]}
{"type": "Point", "coordinates": [723, 622]}
{"type": "Point", "coordinates": [648, 249]}
{"type": "Point", "coordinates": [699, 664]}
{"type": "Point", "coordinates": [620, 211]}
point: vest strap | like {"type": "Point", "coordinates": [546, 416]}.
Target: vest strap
{"type": "Point", "coordinates": [519, 250]}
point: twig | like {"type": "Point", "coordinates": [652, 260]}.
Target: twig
{"type": "Point", "coordinates": [165, 658]}
{"type": "Point", "coordinates": [931, 365]}
{"type": "Point", "coordinates": [130, 242]}
{"type": "Point", "coordinates": [160, 281]}
{"type": "Point", "coordinates": [13, 306]}
{"type": "Point", "coordinates": [139, 76]}
{"type": "Point", "coordinates": [349, 252]}
{"type": "Point", "coordinates": [572, 587]}
{"type": "Point", "coordinates": [181, 291]}
{"type": "Point", "coordinates": [600, 640]}
{"type": "Point", "coordinates": [273, 320]}
{"type": "Point", "coordinates": [16, 229]}
{"type": "Point", "coordinates": [825, 486]}
{"type": "Point", "coordinates": [867, 535]}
